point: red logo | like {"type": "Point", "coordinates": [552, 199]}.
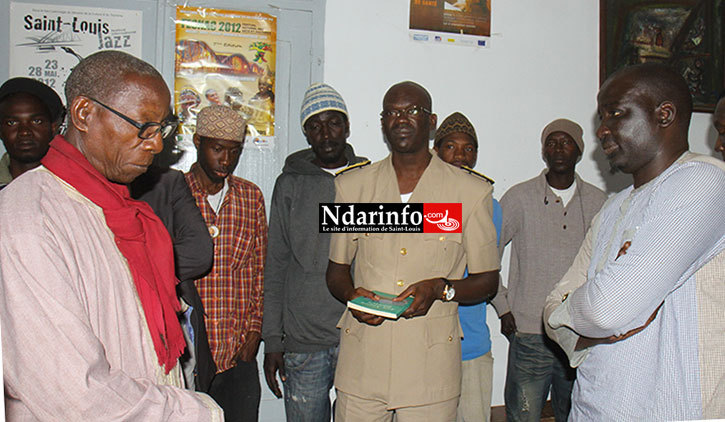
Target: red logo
{"type": "Point", "coordinates": [442, 218]}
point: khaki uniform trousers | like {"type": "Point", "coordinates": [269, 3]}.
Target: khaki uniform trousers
{"type": "Point", "coordinates": [355, 409]}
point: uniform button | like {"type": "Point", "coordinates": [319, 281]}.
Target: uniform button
{"type": "Point", "coordinates": [367, 234]}
{"type": "Point", "coordinates": [450, 338]}
{"type": "Point", "coordinates": [557, 201]}
{"type": "Point", "coordinates": [564, 212]}
{"type": "Point", "coordinates": [564, 226]}
{"type": "Point", "coordinates": [442, 238]}
{"type": "Point", "coordinates": [347, 331]}
{"type": "Point", "coordinates": [400, 283]}
{"type": "Point", "coordinates": [403, 251]}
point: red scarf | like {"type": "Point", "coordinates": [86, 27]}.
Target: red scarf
{"type": "Point", "coordinates": [141, 238]}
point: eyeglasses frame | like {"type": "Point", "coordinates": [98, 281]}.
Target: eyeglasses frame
{"type": "Point", "coordinates": [395, 113]}
{"type": "Point", "coordinates": [142, 126]}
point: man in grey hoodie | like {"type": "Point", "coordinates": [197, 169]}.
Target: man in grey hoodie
{"type": "Point", "coordinates": [300, 314]}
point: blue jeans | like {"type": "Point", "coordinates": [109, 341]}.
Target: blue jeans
{"type": "Point", "coordinates": [310, 377]}
{"type": "Point", "coordinates": [535, 364]}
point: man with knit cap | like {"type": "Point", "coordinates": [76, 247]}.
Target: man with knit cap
{"type": "Point", "coordinates": [30, 115]}
{"type": "Point", "coordinates": [301, 340]}
{"type": "Point", "coordinates": [456, 143]}
{"type": "Point", "coordinates": [233, 209]}
{"type": "Point", "coordinates": [545, 219]}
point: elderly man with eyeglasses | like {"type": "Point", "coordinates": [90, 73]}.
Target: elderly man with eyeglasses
{"type": "Point", "coordinates": [88, 310]}
{"type": "Point", "coordinates": [409, 369]}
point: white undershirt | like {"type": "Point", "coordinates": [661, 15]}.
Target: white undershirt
{"type": "Point", "coordinates": [565, 194]}
{"type": "Point", "coordinates": [404, 197]}
{"type": "Point", "coordinates": [216, 200]}
{"type": "Point", "coordinates": [335, 170]}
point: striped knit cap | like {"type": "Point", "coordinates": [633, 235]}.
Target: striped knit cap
{"type": "Point", "coordinates": [220, 122]}
{"type": "Point", "coordinates": [455, 123]}
{"type": "Point", "coordinates": [319, 98]}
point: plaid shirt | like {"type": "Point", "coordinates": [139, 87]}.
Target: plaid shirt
{"type": "Point", "coordinates": [232, 291]}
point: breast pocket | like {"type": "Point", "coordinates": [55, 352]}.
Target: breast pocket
{"type": "Point", "coordinates": [369, 247]}
{"type": "Point", "coordinates": [243, 246]}
{"type": "Point", "coordinates": [443, 251]}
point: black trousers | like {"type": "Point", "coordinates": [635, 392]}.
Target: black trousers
{"type": "Point", "coordinates": [238, 392]}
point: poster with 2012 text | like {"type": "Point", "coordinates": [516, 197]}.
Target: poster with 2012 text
{"type": "Point", "coordinates": [226, 57]}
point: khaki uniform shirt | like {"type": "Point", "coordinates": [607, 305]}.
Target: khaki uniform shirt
{"type": "Point", "coordinates": [410, 362]}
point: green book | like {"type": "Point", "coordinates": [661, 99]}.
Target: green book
{"type": "Point", "coordinates": [385, 307]}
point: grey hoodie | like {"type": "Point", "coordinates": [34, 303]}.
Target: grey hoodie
{"type": "Point", "coordinates": [300, 314]}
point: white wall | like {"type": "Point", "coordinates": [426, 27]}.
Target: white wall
{"type": "Point", "coordinates": [542, 64]}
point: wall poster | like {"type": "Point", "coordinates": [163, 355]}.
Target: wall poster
{"type": "Point", "coordinates": [458, 22]}
{"type": "Point", "coordinates": [47, 41]}
{"type": "Point", "coordinates": [226, 57]}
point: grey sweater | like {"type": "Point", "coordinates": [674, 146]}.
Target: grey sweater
{"type": "Point", "coordinates": [545, 237]}
{"type": "Point", "coordinates": [300, 314]}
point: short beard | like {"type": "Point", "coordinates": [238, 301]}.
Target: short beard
{"type": "Point", "coordinates": [331, 161]}
{"type": "Point", "coordinates": [614, 169]}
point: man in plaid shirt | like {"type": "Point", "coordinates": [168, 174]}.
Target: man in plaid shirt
{"type": "Point", "coordinates": [233, 209]}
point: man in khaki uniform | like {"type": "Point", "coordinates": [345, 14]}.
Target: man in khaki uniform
{"type": "Point", "coordinates": [410, 367]}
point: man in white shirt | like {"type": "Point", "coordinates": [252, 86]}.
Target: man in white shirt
{"type": "Point", "coordinates": [640, 311]}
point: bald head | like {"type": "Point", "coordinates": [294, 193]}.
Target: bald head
{"type": "Point", "coordinates": [407, 119]}
{"type": "Point", "coordinates": [101, 74]}
{"type": "Point", "coordinates": [413, 90]}
{"type": "Point", "coordinates": [645, 114]}
{"type": "Point", "coordinates": [658, 83]}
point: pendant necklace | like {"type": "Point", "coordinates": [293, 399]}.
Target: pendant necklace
{"type": "Point", "coordinates": [214, 229]}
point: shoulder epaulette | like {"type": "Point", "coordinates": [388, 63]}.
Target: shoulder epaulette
{"type": "Point", "coordinates": [354, 166]}
{"type": "Point", "coordinates": [482, 176]}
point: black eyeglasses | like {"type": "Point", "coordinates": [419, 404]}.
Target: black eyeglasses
{"type": "Point", "coordinates": [145, 130]}
{"type": "Point", "coordinates": [411, 111]}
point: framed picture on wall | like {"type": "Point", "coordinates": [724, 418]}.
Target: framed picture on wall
{"type": "Point", "coordinates": [686, 34]}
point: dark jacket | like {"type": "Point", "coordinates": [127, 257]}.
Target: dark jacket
{"type": "Point", "coordinates": [300, 314]}
{"type": "Point", "coordinates": [166, 191]}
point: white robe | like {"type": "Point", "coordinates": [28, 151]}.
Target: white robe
{"type": "Point", "coordinates": [76, 345]}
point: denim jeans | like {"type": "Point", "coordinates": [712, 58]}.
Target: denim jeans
{"type": "Point", "coordinates": [310, 377]}
{"type": "Point", "coordinates": [535, 364]}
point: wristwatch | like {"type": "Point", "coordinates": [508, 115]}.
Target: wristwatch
{"type": "Point", "coordinates": [448, 291]}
